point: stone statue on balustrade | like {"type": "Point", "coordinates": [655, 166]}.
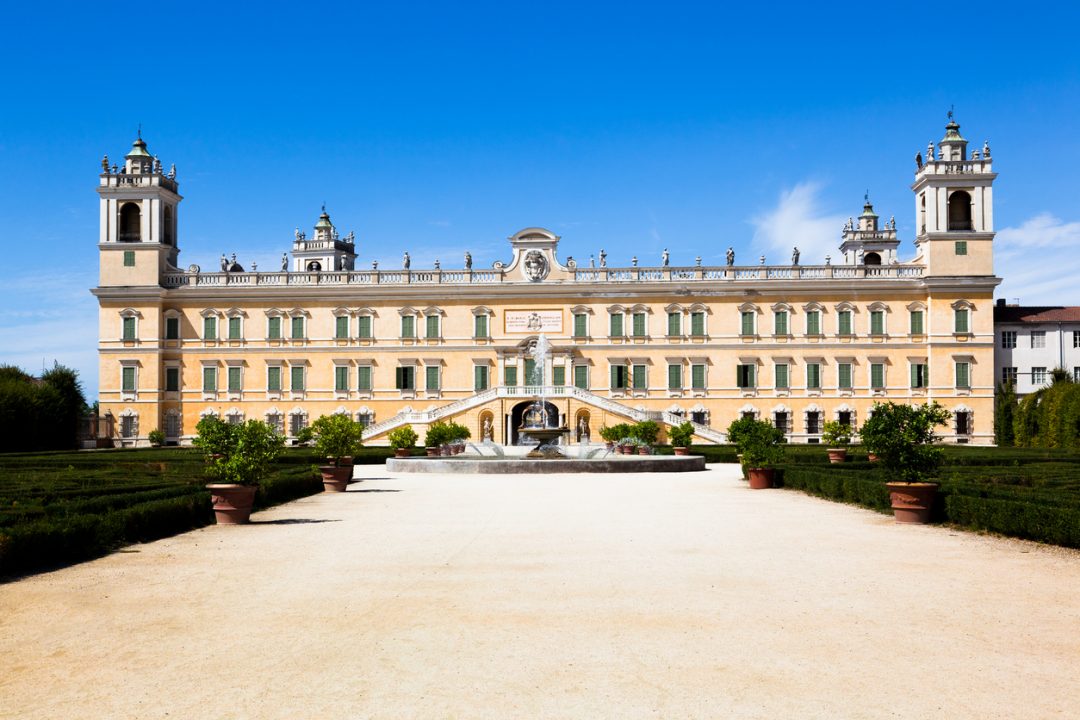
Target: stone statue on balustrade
{"type": "Point", "coordinates": [406, 261]}
{"type": "Point", "coordinates": [795, 256]}
{"type": "Point", "coordinates": [730, 256]}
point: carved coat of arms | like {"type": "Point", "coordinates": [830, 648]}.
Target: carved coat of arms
{"type": "Point", "coordinates": [535, 265]}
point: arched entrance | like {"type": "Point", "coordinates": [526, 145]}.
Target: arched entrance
{"type": "Point", "coordinates": [518, 413]}
{"type": "Point", "coordinates": [871, 258]}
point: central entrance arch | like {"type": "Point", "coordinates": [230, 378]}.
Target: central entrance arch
{"type": "Point", "coordinates": [518, 412]}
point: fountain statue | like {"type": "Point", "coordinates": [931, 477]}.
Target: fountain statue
{"type": "Point", "coordinates": [535, 424]}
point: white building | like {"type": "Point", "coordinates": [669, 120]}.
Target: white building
{"type": "Point", "coordinates": [1032, 341]}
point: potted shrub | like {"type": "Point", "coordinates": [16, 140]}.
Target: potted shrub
{"type": "Point", "coordinates": [836, 436]}
{"type": "Point", "coordinates": [458, 435]}
{"type": "Point", "coordinates": [609, 435]}
{"type": "Point", "coordinates": [645, 432]}
{"type": "Point", "coordinates": [337, 437]}
{"type": "Point", "coordinates": [238, 457]}
{"type": "Point", "coordinates": [156, 438]}
{"type": "Point", "coordinates": [681, 436]}
{"type": "Point", "coordinates": [402, 440]}
{"type": "Point", "coordinates": [434, 438]}
{"type": "Point", "coordinates": [902, 436]}
{"type": "Point", "coordinates": [761, 446]}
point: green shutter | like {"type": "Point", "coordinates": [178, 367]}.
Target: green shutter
{"type": "Point", "coordinates": [674, 377]}
{"type": "Point", "coordinates": [845, 322]}
{"type": "Point", "coordinates": [961, 247]}
{"type": "Point", "coordinates": [399, 378]}
{"type": "Point", "coordinates": [209, 379]}
{"type": "Point", "coordinates": [877, 375]}
{"type": "Point", "coordinates": [172, 328]}
{"type": "Point", "coordinates": [530, 373]}
{"type": "Point", "coordinates": [408, 328]}
{"type": "Point", "coordinates": [129, 258]}
{"type": "Point", "coordinates": [813, 322]}
{"type": "Point", "coordinates": [674, 323]}
{"type": "Point", "coordinates": [639, 324]}
{"type": "Point", "coordinates": [877, 322]}
{"type": "Point", "coordinates": [697, 377]}
{"type": "Point", "coordinates": [298, 328]}
{"type": "Point", "coordinates": [580, 329]}
{"type": "Point", "coordinates": [616, 325]}
{"type": "Point", "coordinates": [432, 327]}
{"type": "Point", "coordinates": [813, 376]}
{"type": "Point", "coordinates": [341, 378]}
{"type": "Point", "coordinates": [748, 323]}
{"type": "Point", "coordinates": [844, 375]}
{"type": "Point", "coordinates": [558, 376]}
{"type": "Point", "coordinates": [234, 328]}
{"type": "Point", "coordinates": [341, 330]}
{"type": "Point", "coordinates": [916, 322]}
{"type": "Point", "coordinates": [781, 376]}
{"type": "Point", "coordinates": [129, 328]}
{"type": "Point", "coordinates": [364, 322]}
{"type": "Point", "coordinates": [581, 377]}
{"type": "Point", "coordinates": [363, 373]}
{"type": "Point", "coordinates": [961, 320]}
{"type": "Point", "coordinates": [431, 373]}
{"type": "Point", "coordinates": [480, 377]}
{"type": "Point", "coordinates": [697, 324]}
{"type": "Point", "coordinates": [639, 377]}
{"type": "Point", "coordinates": [510, 375]}
{"type": "Point", "coordinates": [273, 328]}
{"type": "Point", "coordinates": [963, 379]}
{"type": "Point", "coordinates": [127, 379]}
{"type": "Point", "coordinates": [480, 326]}
{"type": "Point", "coordinates": [273, 379]}
{"type": "Point", "coordinates": [780, 323]}
{"type": "Point", "coordinates": [210, 328]}
{"type": "Point", "coordinates": [296, 375]}
{"type": "Point", "coordinates": [614, 377]}
{"type": "Point", "coordinates": [172, 379]}
{"type": "Point", "coordinates": [234, 379]}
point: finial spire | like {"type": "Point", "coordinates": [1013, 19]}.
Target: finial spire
{"type": "Point", "coordinates": [951, 113]}
{"type": "Point", "coordinates": [138, 132]}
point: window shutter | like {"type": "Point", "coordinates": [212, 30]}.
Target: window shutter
{"type": "Point", "coordinates": [364, 326]}
{"type": "Point", "coordinates": [298, 328]}
{"type": "Point", "coordinates": [614, 377]}
{"type": "Point", "coordinates": [639, 324]}
{"type": "Point", "coordinates": [273, 379]}
{"type": "Point", "coordinates": [639, 377]}
{"type": "Point", "coordinates": [616, 324]}
{"type": "Point", "coordinates": [209, 379]}
{"type": "Point", "coordinates": [432, 327]}
{"type": "Point", "coordinates": [363, 377]}
{"type": "Point", "coordinates": [234, 379]}
{"type": "Point", "coordinates": [780, 323]}
{"type": "Point", "coordinates": [877, 375]}
{"type": "Point", "coordinates": [813, 376]}
{"type": "Point", "coordinates": [510, 375]}
{"type": "Point", "coordinates": [581, 377]}
{"type": "Point", "coordinates": [558, 376]}
{"type": "Point", "coordinates": [697, 375]}
{"type": "Point", "coordinates": [697, 324]}
{"type": "Point", "coordinates": [845, 322]}
{"type": "Point", "coordinates": [128, 379]}
{"type": "Point", "coordinates": [579, 326]}
{"type": "Point", "coordinates": [399, 378]}
{"type": "Point", "coordinates": [781, 376]}
{"type": "Point", "coordinates": [962, 371]}
{"type": "Point", "coordinates": [342, 327]}
{"type": "Point", "coordinates": [530, 373]}
{"type": "Point", "coordinates": [209, 328]}
{"type": "Point", "coordinates": [432, 379]}
{"type": "Point", "coordinates": [274, 328]}
{"type": "Point", "coordinates": [844, 372]}
{"type": "Point", "coordinates": [674, 377]}
{"type": "Point", "coordinates": [297, 376]}
{"type": "Point", "coordinates": [480, 377]}
{"type": "Point", "coordinates": [129, 328]}
{"type": "Point", "coordinates": [916, 322]}
{"type": "Point", "coordinates": [813, 323]}
{"type": "Point", "coordinates": [673, 323]}
{"type": "Point", "coordinates": [407, 326]}
{"type": "Point", "coordinates": [341, 378]}
{"type": "Point", "coordinates": [480, 326]}
{"type": "Point", "coordinates": [877, 322]}
{"type": "Point", "coordinates": [172, 379]}
{"type": "Point", "coordinates": [748, 323]}
{"type": "Point", "coordinates": [962, 320]}
{"type": "Point", "coordinates": [234, 328]}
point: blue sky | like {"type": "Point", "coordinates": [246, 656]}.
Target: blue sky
{"type": "Point", "coordinates": [441, 127]}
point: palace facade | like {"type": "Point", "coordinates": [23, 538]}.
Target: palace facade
{"type": "Point", "coordinates": [795, 344]}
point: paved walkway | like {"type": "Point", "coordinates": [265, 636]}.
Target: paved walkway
{"type": "Point", "coordinates": [666, 596]}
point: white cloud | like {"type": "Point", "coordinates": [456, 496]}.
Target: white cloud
{"type": "Point", "coordinates": [796, 221]}
{"type": "Point", "coordinates": [1038, 261]}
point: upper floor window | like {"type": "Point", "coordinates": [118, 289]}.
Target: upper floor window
{"type": "Point", "coordinates": [843, 322]}
{"type": "Point", "coordinates": [480, 377]}
{"type": "Point", "coordinates": [297, 327]}
{"type": "Point", "coordinates": [129, 328]}
{"type": "Point", "coordinates": [341, 327]}
{"type": "Point", "coordinates": [405, 377]}
{"type": "Point", "coordinates": [480, 326]}
{"type": "Point", "coordinates": [674, 323]}
{"type": "Point", "coordinates": [813, 376]}
{"type": "Point", "coordinates": [210, 328]}
{"type": "Point", "coordinates": [674, 374]}
{"type": "Point", "coordinates": [813, 322]}
{"type": "Point", "coordinates": [963, 375]}
{"type": "Point", "coordinates": [1008, 375]}
{"type": "Point", "coordinates": [363, 378]}
{"type": "Point", "coordinates": [408, 326]}
{"type": "Point", "coordinates": [296, 378]}
{"type": "Point", "coordinates": [747, 322]}
{"type": "Point", "coordinates": [341, 378]}
{"type": "Point", "coordinates": [745, 376]}
{"type": "Point", "coordinates": [172, 379]}
{"type": "Point", "coordinates": [960, 320]}
{"type": "Point", "coordinates": [1038, 376]}
{"type": "Point", "coordinates": [877, 322]}
{"type": "Point", "coordinates": [619, 377]}
{"type": "Point", "coordinates": [581, 325]}
{"type": "Point", "coordinates": [1038, 338]}
{"type": "Point", "coordinates": [581, 377]}
{"type": "Point", "coordinates": [697, 323]}
{"type": "Point", "coordinates": [960, 211]}
{"type": "Point", "coordinates": [363, 327]}
{"type": "Point", "coordinates": [1076, 338]}
{"type": "Point", "coordinates": [640, 326]}
{"type": "Point", "coordinates": [1008, 339]}
{"type": "Point", "coordinates": [916, 322]}
{"type": "Point", "coordinates": [780, 322]}
{"type": "Point", "coordinates": [697, 376]}
{"type": "Point", "coordinates": [209, 384]}
{"type": "Point", "coordinates": [616, 324]}
{"type": "Point", "coordinates": [235, 329]}
{"type": "Point", "coordinates": [172, 328]}
{"type": "Point", "coordinates": [128, 378]}
{"type": "Point", "coordinates": [877, 375]}
{"type": "Point", "coordinates": [273, 327]}
{"type": "Point", "coordinates": [843, 376]}
{"type": "Point", "coordinates": [432, 327]}
{"type": "Point", "coordinates": [781, 374]}
{"type": "Point", "coordinates": [920, 375]}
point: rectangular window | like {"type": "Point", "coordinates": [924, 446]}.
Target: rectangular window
{"type": "Point", "coordinates": [480, 377]}
{"type": "Point", "coordinates": [877, 322]}
{"type": "Point", "coordinates": [1008, 375]}
{"type": "Point", "coordinates": [172, 379]}
{"type": "Point", "coordinates": [273, 379]}
{"type": "Point", "coordinates": [297, 423]}
{"type": "Point", "coordinates": [877, 375]}
{"type": "Point", "coordinates": [234, 379]}
{"type": "Point", "coordinates": [747, 323]}
{"type": "Point", "coordinates": [581, 377]}
{"type": "Point", "coordinates": [697, 377]}
{"type": "Point", "coordinates": [960, 316]}
{"type": "Point", "coordinates": [961, 247]}
{"type": "Point", "coordinates": [813, 376]}
{"type": "Point", "coordinates": [813, 322]}
{"type": "Point", "coordinates": [1076, 374]}
{"type": "Point", "coordinates": [963, 375]}
{"type": "Point", "coordinates": [674, 377]}
{"type": "Point", "coordinates": [1038, 338]}
{"type": "Point", "coordinates": [674, 323]}
{"type": "Point", "coordinates": [843, 319]}
{"type": "Point", "coordinates": [432, 327]}
{"type": "Point", "coordinates": [364, 327]}
{"type": "Point", "coordinates": [408, 326]}
{"type": "Point", "coordinates": [273, 328]}
{"type": "Point", "coordinates": [234, 328]}
{"type": "Point", "coordinates": [618, 377]}
{"type": "Point", "coordinates": [341, 327]}
{"type": "Point", "coordinates": [558, 375]}
{"type": "Point", "coordinates": [843, 375]}
{"type": "Point", "coordinates": [780, 323]}
{"type": "Point", "coordinates": [296, 378]}
{"type": "Point", "coordinates": [341, 378]}
{"type": "Point", "coordinates": [781, 372]}
{"type": "Point", "coordinates": [920, 375]}
{"type": "Point", "coordinates": [405, 377]}
{"type": "Point", "coordinates": [963, 423]}
{"type": "Point", "coordinates": [1008, 339]}
{"type": "Point", "coordinates": [298, 328]}
{"type": "Point", "coordinates": [581, 326]}
{"type": "Point", "coordinates": [209, 328]}
{"type": "Point", "coordinates": [781, 420]}
{"type": "Point", "coordinates": [813, 422]}
{"type": "Point", "coordinates": [277, 422]}
{"type": "Point", "coordinates": [639, 324]}
{"type": "Point", "coordinates": [431, 373]}
{"type": "Point", "coordinates": [616, 325]}
{"type": "Point", "coordinates": [480, 326]}
{"type": "Point", "coordinates": [697, 324]}
{"type": "Point", "coordinates": [129, 328]}
{"type": "Point", "coordinates": [363, 373]}
{"type": "Point", "coordinates": [510, 375]}
{"type": "Point", "coordinates": [127, 379]}
{"type": "Point", "coordinates": [209, 379]}
{"type": "Point", "coordinates": [916, 322]}
{"type": "Point", "coordinates": [172, 328]}
{"type": "Point", "coordinates": [1038, 376]}
{"type": "Point", "coordinates": [639, 377]}
{"type": "Point", "coordinates": [744, 376]}
{"type": "Point", "coordinates": [1076, 338]}
{"type": "Point", "coordinates": [530, 373]}
{"type": "Point", "coordinates": [129, 258]}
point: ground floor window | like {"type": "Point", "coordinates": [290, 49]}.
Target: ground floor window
{"type": "Point", "coordinates": [297, 422]}
{"type": "Point", "coordinates": [963, 422]}
{"type": "Point", "coordinates": [129, 426]}
{"type": "Point", "coordinates": [277, 422]}
{"type": "Point", "coordinates": [782, 421]}
{"type": "Point", "coordinates": [172, 425]}
{"type": "Point", "coordinates": [813, 422]}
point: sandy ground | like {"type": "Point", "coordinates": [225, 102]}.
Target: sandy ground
{"type": "Point", "coordinates": [575, 596]}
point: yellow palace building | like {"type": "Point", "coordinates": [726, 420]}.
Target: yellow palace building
{"type": "Point", "coordinates": [795, 344]}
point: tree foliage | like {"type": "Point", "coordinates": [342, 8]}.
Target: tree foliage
{"type": "Point", "coordinates": [759, 442]}
{"type": "Point", "coordinates": [1004, 413]}
{"type": "Point", "coordinates": [39, 414]}
{"type": "Point", "coordinates": [1049, 417]}
{"type": "Point", "coordinates": [902, 437]}
{"type": "Point", "coordinates": [239, 454]}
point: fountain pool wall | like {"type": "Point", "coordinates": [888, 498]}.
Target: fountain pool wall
{"type": "Point", "coordinates": [464, 465]}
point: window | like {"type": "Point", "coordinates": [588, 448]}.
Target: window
{"type": "Point", "coordinates": [127, 379]}
{"type": "Point", "coordinates": [172, 379]}
{"type": "Point", "coordinates": [697, 324]}
{"type": "Point", "coordinates": [298, 328]}
{"type": "Point", "coordinates": [341, 327]}
{"type": "Point", "coordinates": [1038, 376]}
{"type": "Point", "coordinates": [843, 319]}
{"type": "Point", "coordinates": [297, 422]}
{"type": "Point", "coordinates": [813, 376]}
{"type": "Point", "coordinates": [296, 378]}
{"type": "Point", "coordinates": [674, 377]}
{"type": "Point", "coordinates": [480, 326]}
{"type": "Point", "coordinates": [877, 375]}
{"type": "Point", "coordinates": [431, 378]}
{"type": "Point", "coordinates": [172, 425]}
{"type": "Point", "coordinates": [960, 320]}
{"type": "Point", "coordinates": [1008, 339]}
{"type": "Point", "coordinates": [172, 328]}
{"type": "Point", "coordinates": [581, 326]}
{"type": "Point", "coordinates": [747, 323]}
{"type": "Point", "coordinates": [616, 325]}
{"type": "Point", "coordinates": [744, 376]}
{"type": "Point", "coordinates": [1008, 375]}
{"type": "Point", "coordinates": [843, 376]}
{"type": "Point", "coordinates": [963, 422]}
{"type": "Point", "coordinates": [128, 426]}
{"type": "Point", "coordinates": [639, 377]}
{"type": "Point", "coordinates": [877, 322]}
{"type": "Point", "coordinates": [209, 379]}
{"type": "Point", "coordinates": [129, 258]}
{"type": "Point", "coordinates": [408, 326]}
{"type": "Point", "coordinates": [581, 377]}
{"type": "Point", "coordinates": [1038, 338]}
{"type": "Point", "coordinates": [129, 328]}
{"type": "Point", "coordinates": [363, 373]}
{"type": "Point", "coordinates": [916, 322]}
{"type": "Point", "coordinates": [277, 422]}
{"type": "Point", "coordinates": [273, 328]}
{"type": "Point", "coordinates": [364, 327]}
{"type": "Point", "coordinates": [234, 379]}
{"type": "Point", "coordinates": [1076, 338]}
{"type": "Point", "coordinates": [234, 328]}
{"type": "Point", "coordinates": [480, 377]}
{"type": "Point", "coordinates": [781, 373]}
{"type": "Point", "coordinates": [844, 418]}
{"type": "Point", "coordinates": [963, 375]}
{"type": "Point", "coordinates": [674, 323]}
{"type": "Point", "coordinates": [961, 247]}
{"type": "Point", "coordinates": [813, 422]}
{"type": "Point", "coordinates": [510, 375]}
{"type": "Point", "coordinates": [432, 329]}
{"type": "Point", "coordinates": [558, 375]}
{"type": "Point", "coordinates": [341, 378]}
{"type": "Point", "coordinates": [813, 322]}
{"type": "Point", "coordinates": [530, 373]}
{"type": "Point", "coordinates": [781, 420]}
{"type": "Point", "coordinates": [273, 379]}
{"type": "Point", "coordinates": [1076, 374]}
{"type": "Point", "coordinates": [405, 377]}
{"type": "Point", "coordinates": [639, 324]}
{"type": "Point", "coordinates": [619, 378]}
{"type": "Point", "coordinates": [366, 419]}
{"type": "Point", "coordinates": [697, 377]}
{"type": "Point", "coordinates": [209, 328]}
{"type": "Point", "coordinates": [920, 375]}
{"type": "Point", "coordinates": [780, 319]}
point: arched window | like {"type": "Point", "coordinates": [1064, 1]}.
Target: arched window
{"type": "Point", "coordinates": [130, 223]}
{"type": "Point", "coordinates": [167, 230]}
{"type": "Point", "coordinates": [871, 258]}
{"type": "Point", "coordinates": [960, 211]}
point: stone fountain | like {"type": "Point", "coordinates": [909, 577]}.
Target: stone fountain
{"type": "Point", "coordinates": [535, 424]}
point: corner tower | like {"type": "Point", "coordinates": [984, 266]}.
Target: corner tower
{"type": "Point", "coordinates": [954, 207]}
{"type": "Point", "coordinates": [325, 250]}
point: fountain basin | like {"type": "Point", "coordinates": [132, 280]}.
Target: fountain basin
{"type": "Point", "coordinates": [464, 465]}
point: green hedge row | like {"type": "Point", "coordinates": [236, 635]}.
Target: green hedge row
{"type": "Point", "coordinates": [845, 486]}
{"type": "Point", "coordinates": [1044, 523]}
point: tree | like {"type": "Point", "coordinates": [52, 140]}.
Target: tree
{"type": "Point", "coordinates": [902, 437]}
{"type": "Point", "coordinates": [1004, 412]}
{"type": "Point", "coordinates": [73, 402]}
{"type": "Point", "coordinates": [39, 414]}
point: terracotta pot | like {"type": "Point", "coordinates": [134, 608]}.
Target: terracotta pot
{"type": "Point", "coordinates": [346, 461]}
{"type": "Point", "coordinates": [682, 451]}
{"type": "Point", "coordinates": [432, 451]}
{"type": "Point", "coordinates": [760, 478]}
{"type": "Point", "coordinates": [912, 502]}
{"type": "Point", "coordinates": [643, 450]}
{"type": "Point", "coordinates": [837, 455]}
{"type": "Point", "coordinates": [871, 457]}
{"type": "Point", "coordinates": [232, 503]}
{"type": "Point", "coordinates": [334, 478]}
{"type": "Point", "coordinates": [444, 451]}
{"type": "Point", "coordinates": [401, 452]}
{"type": "Point", "coordinates": [610, 446]}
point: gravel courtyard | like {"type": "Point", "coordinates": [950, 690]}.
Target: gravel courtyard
{"type": "Point", "coordinates": [566, 596]}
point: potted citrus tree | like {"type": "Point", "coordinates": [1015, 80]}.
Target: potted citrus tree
{"type": "Point", "coordinates": [238, 457]}
{"type": "Point", "coordinates": [681, 436]}
{"type": "Point", "coordinates": [337, 438]}
{"type": "Point", "coordinates": [402, 440]}
{"type": "Point", "coordinates": [902, 436]}
{"type": "Point", "coordinates": [761, 446]}
{"type": "Point", "coordinates": [645, 432]}
{"type": "Point", "coordinates": [836, 436]}
{"type": "Point", "coordinates": [434, 438]}
{"type": "Point", "coordinates": [156, 438]}
{"type": "Point", "coordinates": [609, 435]}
